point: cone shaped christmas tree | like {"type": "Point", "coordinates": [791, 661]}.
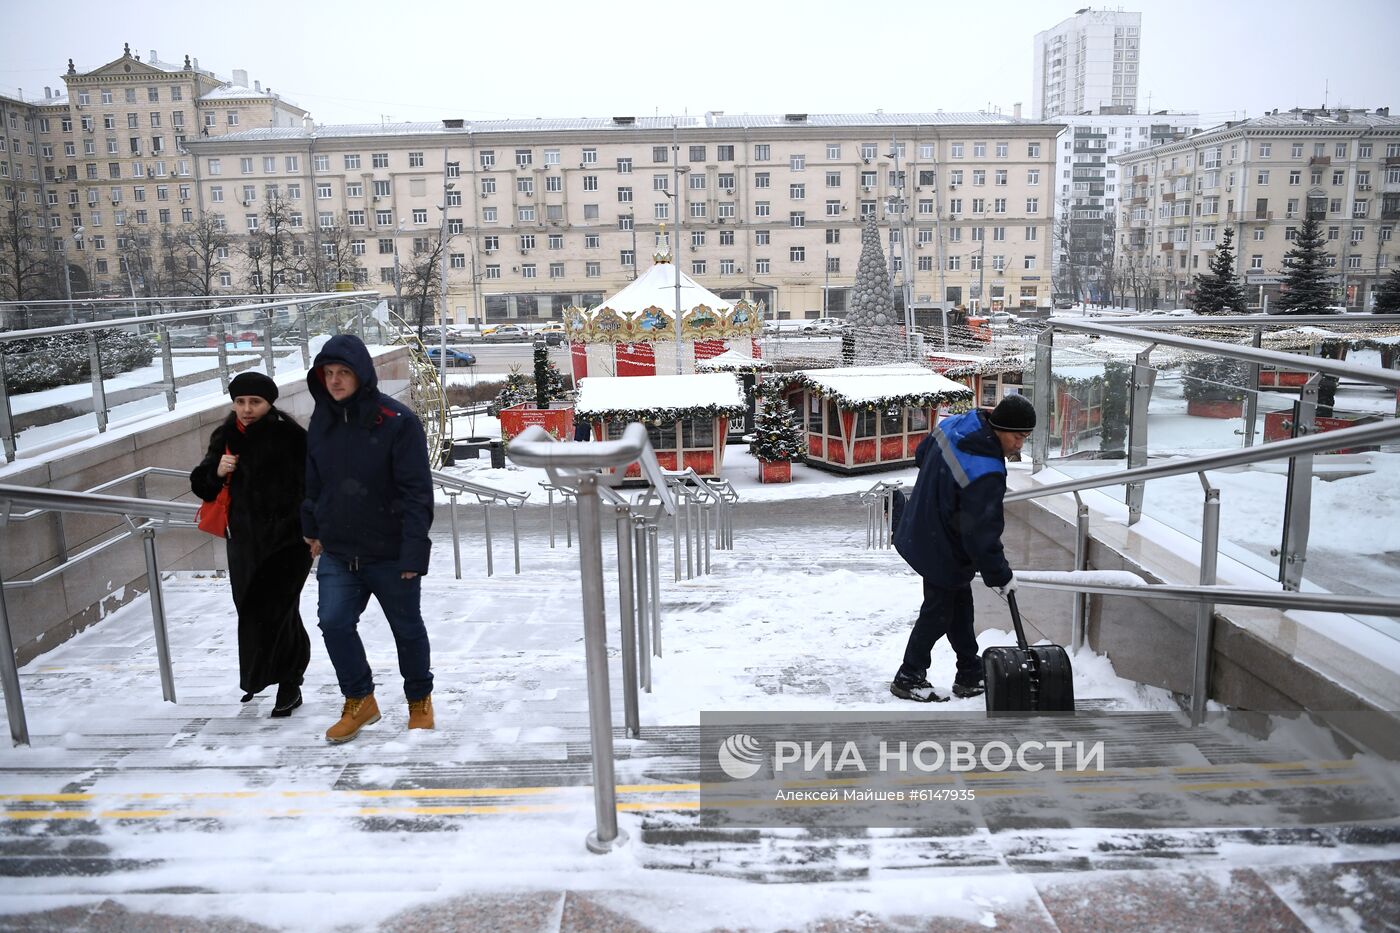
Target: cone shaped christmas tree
{"type": "Point", "coordinates": [872, 313]}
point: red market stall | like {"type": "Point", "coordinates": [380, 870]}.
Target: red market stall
{"type": "Point", "coordinates": [859, 419]}
{"type": "Point", "coordinates": [685, 416]}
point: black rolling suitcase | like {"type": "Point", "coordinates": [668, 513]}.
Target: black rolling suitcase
{"type": "Point", "coordinates": [1027, 679]}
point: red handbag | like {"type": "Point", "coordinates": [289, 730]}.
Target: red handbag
{"type": "Point", "coordinates": [212, 517]}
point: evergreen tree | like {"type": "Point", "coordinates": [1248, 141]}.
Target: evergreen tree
{"type": "Point", "coordinates": [776, 436]}
{"type": "Point", "coordinates": [549, 382]}
{"type": "Point", "coordinates": [1388, 298]}
{"type": "Point", "coordinates": [1306, 289]}
{"type": "Point", "coordinates": [1219, 290]}
{"type": "Point", "coordinates": [516, 391]}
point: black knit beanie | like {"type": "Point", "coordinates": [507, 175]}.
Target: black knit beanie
{"type": "Point", "coordinates": [1013, 413]}
{"type": "Point", "coordinates": [253, 384]}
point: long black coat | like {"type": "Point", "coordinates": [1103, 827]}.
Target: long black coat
{"type": "Point", "coordinates": [268, 560]}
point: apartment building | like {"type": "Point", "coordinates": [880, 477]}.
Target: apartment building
{"type": "Point", "coordinates": [544, 214]}
{"type": "Point", "coordinates": [106, 158]}
{"type": "Point", "coordinates": [1085, 62]}
{"type": "Point", "coordinates": [1087, 190]}
{"type": "Point", "coordinates": [1259, 177]}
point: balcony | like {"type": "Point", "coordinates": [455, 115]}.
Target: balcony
{"type": "Point", "coordinates": [1168, 246]}
{"type": "Point", "coordinates": [1262, 215]}
{"type": "Point", "coordinates": [1140, 179]}
{"type": "Point", "coordinates": [1320, 160]}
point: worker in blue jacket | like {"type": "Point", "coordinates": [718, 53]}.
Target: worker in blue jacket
{"type": "Point", "coordinates": [950, 530]}
{"type": "Point", "coordinates": [367, 511]}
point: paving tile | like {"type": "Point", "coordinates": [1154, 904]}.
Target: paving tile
{"type": "Point", "coordinates": [1342, 895]}
{"type": "Point", "coordinates": [524, 912]}
{"type": "Point", "coordinates": [1233, 899]}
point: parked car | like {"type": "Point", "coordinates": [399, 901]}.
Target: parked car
{"type": "Point", "coordinates": [826, 325]}
{"type": "Point", "coordinates": [455, 357]}
{"type": "Point", "coordinates": [1064, 304]}
{"type": "Point", "coordinates": [1002, 318]}
{"type": "Point", "coordinates": [505, 333]}
{"type": "Point", "coordinates": [552, 334]}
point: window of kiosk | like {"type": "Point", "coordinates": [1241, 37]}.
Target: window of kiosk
{"type": "Point", "coordinates": [891, 422]}
{"type": "Point", "coordinates": [990, 387]}
{"type": "Point", "coordinates": [814, 413]}
{"type": "Point", "coordinates": [663, 436]}
{"type": "Point", "coordinates": [865, 422]}
{"type": "Point", "coordinates": [918, 420]}
{"type": "Point", "coordinates": [699, 433]}
{"type": "Point", "coordinates": [615, 429]}
{"type": "Point", "coordinates": [833, 419]}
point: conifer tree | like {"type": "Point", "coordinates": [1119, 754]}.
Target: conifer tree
{"type": "Point", "coordinates": [549, 382]}
{"type": "Point", "coordinates": [1388, 298]}
{"type": "Point", "coordinates": [1219, 290]}
{"type": "Point", "coordinates": [516, 391]}
{"type": "Point", "coordinates": [1306, 289]}
{"type": "Point", "coordinates": [776, 436]}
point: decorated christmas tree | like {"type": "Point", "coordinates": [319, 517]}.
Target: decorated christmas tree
{"type": "Point", "coordinates": [776, 436]}
{"type": "Point", "coordinates": [516, 390]}
{"type": "Point", "coordinates": [549, 382]}
{"type": "Point", "coordinates": [872, 313]}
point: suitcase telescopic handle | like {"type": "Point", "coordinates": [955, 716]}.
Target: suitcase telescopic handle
{"type": "Point", "coordinates": [1016, 620]}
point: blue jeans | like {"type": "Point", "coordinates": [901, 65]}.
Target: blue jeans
{"type": "Point", "coordinates": [944, 612]}
{"type": "Point", "coordinates": [344, 593]}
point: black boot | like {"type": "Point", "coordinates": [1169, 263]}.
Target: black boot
{"type": "Point", "coordinates": [288, 699]}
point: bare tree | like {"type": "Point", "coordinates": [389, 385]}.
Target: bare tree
{"type": "Point", "coordinates": [332, 258]}
{"type": "Point", "coordinates": [25, 273]}
{"type": "Point", "coordinates": [134, 254]}
{"type": "Point", "coordinates": [421, 279]}
{"type": "Point", "coordinates": [206, 243]}
{"type": "Point", "coordinates": [1065, 276]}
{"type": "Point", "coordinates": [271, 249]}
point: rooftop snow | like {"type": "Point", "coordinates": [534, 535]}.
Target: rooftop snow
{"type": "Point", "coordinates": [602, 395]}
{"type": "Point", "coordinates": [857, 384]}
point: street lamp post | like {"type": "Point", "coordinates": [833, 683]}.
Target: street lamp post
{"type": "Point", "coordinates": [632, 222]}
{"type": "Point", "coordinates": [398, 279]}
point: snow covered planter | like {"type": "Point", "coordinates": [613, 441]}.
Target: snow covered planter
{"type": "Point", "coordinates": [864, 418]}
{"type": "Point", "coordinates": [1214, 387]}
{"type": "Point", "coordinates": [774, 471]}
{"type": "Point", "coordinates": [684, 416]}
{"type": "Point", "coordinates": [559, 422]}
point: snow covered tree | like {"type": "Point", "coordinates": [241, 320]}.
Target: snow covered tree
{"type": "Point", "coordinates": [1219, 290]}
{"type": "Point", "coordinates": [516, 391]}
{"type": "Point", "coordinates": [549, 382]}
{"type": "Point", "coordinates": [776, 436]}
{"type": "Point", "coordinates": [1306, 289]}
{"type": "Point", "coordinates": [1388, 297]}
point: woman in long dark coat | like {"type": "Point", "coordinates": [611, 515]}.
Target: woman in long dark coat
{"type": "Point", "coordinates": [261, 453]}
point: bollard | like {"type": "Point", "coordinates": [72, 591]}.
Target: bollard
{"type": "Point", "coordinates": [456, 541]}
{"type": "Point", "coordinates": [167, 673]}
{"type": "Point", "coordinates": [641, 585]}
{"type": "Point", "coordinates": [627, 616]}
{"type": "Point", "coordinates": [654, 544]}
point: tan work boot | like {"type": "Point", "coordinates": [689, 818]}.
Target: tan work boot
{"type": "Point", "coordinates": [420, 713]}
{"type": "Point", "coordinates": [357, 713]}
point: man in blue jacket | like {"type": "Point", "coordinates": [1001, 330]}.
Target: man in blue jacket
{"type": "Point", "coordinates": [951, 529]}
{"type": "Point", "coordinates": [368, 508]}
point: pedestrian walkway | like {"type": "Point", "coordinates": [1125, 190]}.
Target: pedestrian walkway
{"type": "Point", "coordinates": [130, 813]}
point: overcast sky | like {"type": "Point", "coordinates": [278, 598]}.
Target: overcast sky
{"type": "Point", "coordinates": [356, 61]}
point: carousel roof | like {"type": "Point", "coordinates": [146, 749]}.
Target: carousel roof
{"type": "Point", "coordinates": [643, 397]}
{"type": "Point", "coordinates": [896, 384]}
{"type": "Point", "coordinates": [730, 361]}
{"type": "Point", "coordinates": [656, 288]}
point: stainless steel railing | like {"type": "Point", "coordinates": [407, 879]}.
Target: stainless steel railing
{"type": "Point", "coordinates": [577, 464]}
{"type": "Point", "coordinates": [698, 502]}
{"type": "Point", "coordinates": [487, 496]}
{"type": "Point", "coordinates": [879, 514]}
{"type": "Point", "coordinates": [143, 517]}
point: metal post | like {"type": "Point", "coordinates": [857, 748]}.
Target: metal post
{"type": "Point", "coordinates": [167, 674]}
{"type": "Point", "coordinates": [568, 523]}
{"type": "Point", "coordinates": [9, 668]}
{"type": "Point", "coordinates": [456, 541]}
{"type": "Point", "coordinates": [1080, 612]}
{"type": "Point", "coordinates": [515, 533]}
{"type": "Point", "coordinates": [99, 394]}
{"type": "Point", "coordinates": [642, 587]}
{"type": "Point", "coordinates": [595, 649]}
{"type": "Point", "coordinates": [550, 494]}
{"type": "Point", "coordinates": [676, 540]}
{"type": "Point", "coordinates": [1205, 613]}
{"type": "Point", "coordinates": [8, 437]}
{"type": "Point", "coordinates": [267, 343]}
{"type": "Point", "coordinates": [689, 537]}
{"type": "Point", "coordinates": [1143, 377]}
{"type": "Point", "coordinates": [304, 337]}
{"type": "Point", "coordinates": [869, 524]}
{"type": "Point", "coordinates": [654, 544]}
{"type": "Point", "coordinates": [1297, 509]}
{"type": "Point", "coordinates": [705, 511]}
{"type": "Point", "coordinates": [167, 368]}
{"type": "Point", "coordinates": [221, 333]}
{"type": "Point", "coordinates": [486, 522]}
{"type": "Point", "coordinates": [1251, 396]}
{"type": "Point", "coordinates": [627, 617]}
{"type": "Point", "coordinates": [1041, 399]}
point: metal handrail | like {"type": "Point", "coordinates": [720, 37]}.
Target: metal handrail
{"type": "Point", "coordinates": [879, 514]}
{"type": "Point", "coordinates": [724, 533]}
{"type": "Point", "coordinates": [1237, 320]}
{"type": "Point", "coordinates": [1369, 374]}
{"type": "Point", "coordinates": [138, 476]}
{"type": "Point", "coordinates": [486, 495]}
{"type": "Point", "coordinates": [1278, 450]}
{"type": "Point", "coordinates": [174, 316]}
{"type": "Point", "coordinates": [156, 515]}
{"type": "Point", "coordinates": [1228, 595]}
{"type": "Point", "coordinates": [691, 489]}
{"type": "Point", "coordinates": [577, 464]}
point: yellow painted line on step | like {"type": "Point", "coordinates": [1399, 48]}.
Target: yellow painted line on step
{"type": "Point", "coordinates": [327, 792]}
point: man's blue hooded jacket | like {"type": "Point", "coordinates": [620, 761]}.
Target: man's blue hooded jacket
{"type": "Point", "coordinates": [952, 525]}
{"type": "Point", "coordinates": [369, 490]}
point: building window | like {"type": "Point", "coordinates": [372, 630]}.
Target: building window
{"type": "Point", "coordinates": [797, 192]}
{"type": "Point", "coordinates": [761, 266]}
{"type": "Point", "coordinates": [590, 183]}
{"type": "Point", "coordinates": [593, 269]}
{"type": "Point", "coordinates": [697, 153]}
{"type": "Point", "coordinates": [760, 237]}
{"type": "Point", "coordinates": [797, 219]}
{"type": "Point", "coordinates": [624, 166]}
{"type": "Point", "coordinates": [524, 158]}
{"type": "Point", "coordinates": [697, 267]}
{"type": "Point", "coordinates": [627, 258]}
{"type": "Point", "coordinates": [797, 254]}
{"type": "Point", "coordinates": [762, 152]}
{"type": "Point", "coordinates": [1256, 261]}
{"type": "Point", "coordinates": [762, 180]}
{"type": "Point", "coordinates": [624, 195]}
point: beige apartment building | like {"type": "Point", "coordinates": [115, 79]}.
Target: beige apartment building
{"type": "Point", "coordinates": [1258, 177]}
{"type": "Point", "coordinates": [86, 167]}
{"type": "Point", "coordinates": [545, 214]}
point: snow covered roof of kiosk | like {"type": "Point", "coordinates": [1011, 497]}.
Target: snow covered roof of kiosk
{"type": "Point", "coordinates": [880, 386]}
{"type": "Point", "coordinates": [730, 361]}
{"type": "Point", "coordinates": [649, 398]}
